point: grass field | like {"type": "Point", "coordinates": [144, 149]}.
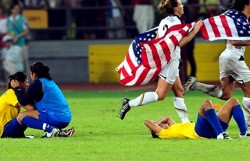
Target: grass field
{"type": "Point", "coordinates": [101, 136]}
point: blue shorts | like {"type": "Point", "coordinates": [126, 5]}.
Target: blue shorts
{"type": "Point", "coordinates": [45, 117]}
{"type": "Point", "coordinates": [13, 130]}
{"type": "Point", "coordinates": [204, 129]}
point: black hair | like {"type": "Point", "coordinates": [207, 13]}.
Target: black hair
{"type": "Point", "coordinates": [154, 134]}
{"type": "Point", "coordinates": [12, 6]}
{"type": "Point", "coordinates": [239, 5]}
{"type": "Point", "coordinates": [41, 70]}
{"type": "Point", "coordinates": [19, 76]}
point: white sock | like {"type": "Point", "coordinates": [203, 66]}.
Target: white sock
{"type": "Point", "coordinates": [212, 90]}
{"type": "Point", "coordinates": [181, 109]}
{"type": "Point", "coordinates": [246, 109]}
{"type": "Point", "coordinates": [143, 99]}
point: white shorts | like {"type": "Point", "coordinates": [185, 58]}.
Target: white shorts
{"type": "Point", "coordinates": [171, 71]}
{"type": "Point", "coordinates": [236, 68]}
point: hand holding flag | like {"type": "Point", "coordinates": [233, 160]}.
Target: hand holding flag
{"type": "Point", "coordinates": [231, 25]}
{"type": "Point", "coordinates": [146, 56]}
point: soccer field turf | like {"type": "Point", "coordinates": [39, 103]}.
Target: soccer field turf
{"type": "Point", "coordinates": [101, 135]}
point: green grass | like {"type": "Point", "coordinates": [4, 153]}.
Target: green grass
{"type": "Point", "coordinates": [101, 135]}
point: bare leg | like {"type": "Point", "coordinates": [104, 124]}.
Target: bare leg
{"type": "Point", "coordinates": [179, 103]}
{"type": "Point", "coordinates": [246, 101]}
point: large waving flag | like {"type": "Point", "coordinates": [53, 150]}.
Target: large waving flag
{"type": "Point", "coordinates": [231, 25]}
{"type": "Point", "coordinates": [147, 56]}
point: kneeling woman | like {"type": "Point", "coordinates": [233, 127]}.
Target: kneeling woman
{"type": "Point", "coordinates": [52, 111]}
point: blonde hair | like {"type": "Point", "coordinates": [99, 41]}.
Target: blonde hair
{"type": "Point", "coordinates": [162, 4]}
{"type": "Point", "coordinates": [167, 5]}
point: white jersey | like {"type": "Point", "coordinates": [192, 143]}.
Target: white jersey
{"type": "Point", "coordinates": [164, 25]}
{"type": "Point", "coordinates": [232, 63]}
{"type": "Point", "coordinates": [234, 52]}
{"type": "Point", "coordinates": [171, 71]}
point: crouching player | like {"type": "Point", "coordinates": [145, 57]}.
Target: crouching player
{"type": "Point", "coordinates": [10, 108]}
{"type": "Point", "coordinates": [208, 125]}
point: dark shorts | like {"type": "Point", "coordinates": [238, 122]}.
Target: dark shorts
{"type": "Point", "coordinates": [44, 116]}
{"type": "Point", "coordinates": [204, 129]}
{"type": "Point", "coordinates": [13, 130]}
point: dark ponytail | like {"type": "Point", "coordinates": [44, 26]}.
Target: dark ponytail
{"type": "Point", "coordinates": [239, 5]}
{"type": "Point", "coordinates": [19, 76]}
{"type": "Point", "coordinates": [41, 70]}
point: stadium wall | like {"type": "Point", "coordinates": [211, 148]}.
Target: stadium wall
{"type": "Point", "coordinates": [95, 61]}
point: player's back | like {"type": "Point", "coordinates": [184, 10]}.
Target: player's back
{"type": "Point", "coordinates": [179, 131]}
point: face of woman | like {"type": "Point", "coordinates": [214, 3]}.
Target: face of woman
{"type": "Point", "coordinates": [179, 9]}
{"type": "Point", "coordinates": [33, 76]}
{"type": "Point", "coordinates": [15, 10]}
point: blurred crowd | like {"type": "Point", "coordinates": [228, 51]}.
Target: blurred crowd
{"type": "Point", "coordinates": [91, 19]}
{"type": "Point", "coordinates": [84, 19]}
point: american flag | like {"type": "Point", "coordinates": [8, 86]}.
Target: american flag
{"type": "Point", "coordinates": [147, 56]}
{"type": "Point", "coordinates": [231, 25]}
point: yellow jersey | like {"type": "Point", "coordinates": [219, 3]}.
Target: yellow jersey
{"type": "Point", "coordinates": [8, 108]}
{"type": "Point", "coordinates": [179, 131]}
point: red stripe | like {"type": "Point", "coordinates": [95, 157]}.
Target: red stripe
{"type": "Point", "coordinates": [129, 61]}
{"type": "Point", "coordinates": [214, 27]}
{"type": "Point", "coordinates": [166, 50]}
{"type": "Point", "coordinates": [158, 70]}
{"type": "Point", "coordinates": [204, 32]}
{"type": "Point", "coordinates": [183, 32]}
{"type": "Point", "coordinates": [226, 26]}
{"type": "Point", "coordinates": [155, 55]}
{"type": "Point", "coordinates": [174, 40]}
{"type": "Point", "coordinates": [142, 76]}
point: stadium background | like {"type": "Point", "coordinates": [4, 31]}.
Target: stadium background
{"type": "Point", "coordinates": [81, 60]}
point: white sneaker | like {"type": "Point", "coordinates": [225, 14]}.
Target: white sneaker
{"type": "Point", "coordinates": [222, 136]}
{"type": "Point", "coordinates": [54, 132]}
{"type": "Point", "coordinates": [246, 135]}
{"type": "Point", "coordinates": [189, 85]}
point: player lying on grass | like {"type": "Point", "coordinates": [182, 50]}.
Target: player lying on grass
{"type": "Point", "coordinates": [208, 125]}
{"type": "Point", "coordinates": [10, 108]}
{"type": "Point", "coordinates": [52, 112]}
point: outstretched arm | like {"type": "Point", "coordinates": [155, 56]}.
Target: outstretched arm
{"type": "Point", "coordinates": [240, 43]}
{"type": "Point", "coordinates": [192, 34]}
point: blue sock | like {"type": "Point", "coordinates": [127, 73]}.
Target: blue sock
{"type": "Point", "coordinates": [213, 119]}
{"type": "Point", "coordinates": [36, 124]}
{"type": "Point", "coordinates": [239, 118]}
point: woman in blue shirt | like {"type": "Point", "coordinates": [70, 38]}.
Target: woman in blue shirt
{"type": "Point", "coordinates": [52, 111]}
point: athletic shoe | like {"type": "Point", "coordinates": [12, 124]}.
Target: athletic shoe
{"type": "Point", "coordinates": [223, 135]}
{"type": "Point", "coordinates": [29, 136]}
{"type": "Point", "coordinates": [246, 135]}
{"type": "Point", "coordinates": [190, 84]}
{"type": "Point", "coordinates": [125, 108]}
{"type": "Point", "coordinates": [51, 134]}
{"type": "Point", "coordinates": [66, 133]}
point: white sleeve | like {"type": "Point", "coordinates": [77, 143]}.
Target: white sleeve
{"type": "Point", "coordinates": [162, 28]}
{"type": "Point", "coordinates": [166, 23]}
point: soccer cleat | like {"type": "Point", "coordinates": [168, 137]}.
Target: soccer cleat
{"type": "Point", "coordinates": [66, 133]}
{"type": "Point", "coordinates": [51, 134]}
{"type": "Point", "coordinates": [222, 136]}
{"type": "Point", "coordinates": [29, 136]}
{"type": "Point", "coordinates": [190, 84]}
{"type": "Point", "coordinates": [246, 135]}
{"type": "Point", "coordinates": [125, 108]}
